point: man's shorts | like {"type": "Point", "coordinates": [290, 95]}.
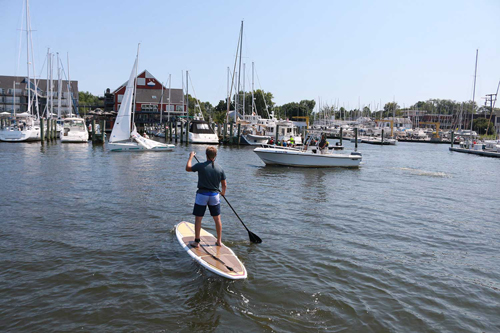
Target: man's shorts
{"type": "Point", "coordinates": [202, 200]}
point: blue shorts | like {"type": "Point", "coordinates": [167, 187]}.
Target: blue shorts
{"type": "Point", "coordinates": [204, 199]}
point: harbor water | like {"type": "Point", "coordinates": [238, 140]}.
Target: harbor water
{"type": "Point", "coordinates": [409, 242]}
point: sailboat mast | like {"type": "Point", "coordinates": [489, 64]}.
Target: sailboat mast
{"type": "Point", "coordinates": [28, 83]}
{"type": "Point", "coordinates": [187, 94]}
{"type": "Point", "coordinates": [239, 69]}
{"type": "Point", "coordinates": [169, 95]}
{"type": "Point", "coordinates": [253, 98]}
{"type": "Point", "coordinates": [70, 103]}
{"type": "Point", "coordinates": [134, 106]}
{"type": "Point", "coordinates": [47, 102]}
{"type": "Point", "coordinates": [244, 95]}
{"type": "Point", "coordinates": [59, 87]}
{"type": "Point", "coordinates": [183, 99]}
{"type": "Point", "coordinates": [473, 97]}
{"type": "Point", "coordinates": [161, 104]}
{"type": "Point", "coordinates": [14, 99]}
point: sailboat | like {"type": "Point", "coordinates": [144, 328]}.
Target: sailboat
{"type": "Point", "coordinates": [25, 126]}
{"type": "Point", "coordinates": [124, 136]}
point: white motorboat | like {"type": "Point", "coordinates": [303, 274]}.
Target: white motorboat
{"type": "Point", "coordinates": [74, 130]}
{"type": "Point", "coordinates": [124, 136]}
{"type": "Point", "coordinates": [254, 139]}
{"type": "Point", "coordinates": [310, 158]}
{"type": "Point", "coordinates": [200, 131]}
{"type": "Point", "coordinates": [307, 156]}
{"type": "Point", "coordinates": [23, 127]}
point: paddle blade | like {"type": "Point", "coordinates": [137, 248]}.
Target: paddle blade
{"type": "Point", "coordinates": [254, 238]}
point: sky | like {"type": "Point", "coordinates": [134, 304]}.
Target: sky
{"type": "Point", "coordinates": [344, 53]}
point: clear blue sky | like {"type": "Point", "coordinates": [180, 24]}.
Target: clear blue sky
{"type": "Point", "coordinates": [350, 51]}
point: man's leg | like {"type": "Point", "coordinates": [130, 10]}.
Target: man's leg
{"type": "Point", "coordinates": [218, 227]}
{"type": "Point", "coordinates": [197, 226]}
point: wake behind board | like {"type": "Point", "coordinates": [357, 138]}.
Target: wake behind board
{"type": "Point", "coordinates": [218, 259]}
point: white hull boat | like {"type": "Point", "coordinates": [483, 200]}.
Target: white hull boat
{"type": "Point", "coordinates": [311, 159]}
{"type": "Point", "coordinates": [201, 132]}
{"type": "Point", "coordinates": [29, 131]}
{"type": "Point", "coordinates": [10, 134]}
{"type": "Point", "coordinates": [139, 143]}
{"type": "Point", "coordinates": [124, 136]}
{"type": "Point", "coordinates": [74, 131]}
{"type": "Point", "coordinates": [255, 140]}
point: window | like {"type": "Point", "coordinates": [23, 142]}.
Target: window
{"type": "Point", "coordinates": [120, 97]}
{"type": "Point", "coordinates": [153, 97]}
{"type": "Point", "coordinates": [141, 81]}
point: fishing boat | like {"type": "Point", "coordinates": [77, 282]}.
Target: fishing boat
{"type": "Point", "coordinates": [124, 136]}
{"type": "Point", "coordinates": [309, 156]}
{"type": "Point", "coordinates": [74, 130]}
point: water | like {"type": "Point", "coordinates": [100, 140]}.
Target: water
{"type": "Point", "coordinates": [408, 242]}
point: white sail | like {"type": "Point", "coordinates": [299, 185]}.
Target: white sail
{"type": "Point", "coordinates": [121, 129]}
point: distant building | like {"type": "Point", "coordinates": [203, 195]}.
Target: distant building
{"type": "Point", "coordinates": [149, 101]}
{"type": "Point", "coordinates": [14, 94]}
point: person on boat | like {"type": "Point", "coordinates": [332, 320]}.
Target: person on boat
{"type": "Point", "coordinates": [323, 144]}
{"type": "Point", "coordinates": [292, 141]}
{"type": "Point", "coordinates": [210, 176]}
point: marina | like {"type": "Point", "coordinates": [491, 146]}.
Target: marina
{"type": "Point", "coordinates": [292, 171]}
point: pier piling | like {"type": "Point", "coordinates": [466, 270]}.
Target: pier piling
{"type": "Point", "coordinates": [42, 130]}
{"type": "Point", "coordinates": [277, 134]}
{"type": "Point", "coordinates": [356, 139]}
{"type": "Point", "coordinates": [187, 131]}
{"type": "Point", "coordinates": [382, 138]}
{"type": "Point", "coordinates": [452, 138]}
{"type": "Point", "coordinates": [340, 134]}
{"type": "Point", "coordinates": [239, 132]}
{"type": "Point", "coordinates": [103, 132]}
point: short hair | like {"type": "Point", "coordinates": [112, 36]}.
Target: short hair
{"type": "Point", "coordinates": [211, 152]}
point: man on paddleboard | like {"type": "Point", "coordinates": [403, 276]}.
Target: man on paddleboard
{"type": "Point", "coordinates": [210, 177]}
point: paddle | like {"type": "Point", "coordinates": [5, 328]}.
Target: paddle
{"type": "Point", "coordinates": [253, 237]}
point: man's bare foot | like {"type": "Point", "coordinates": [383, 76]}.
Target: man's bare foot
{"type": "Point", "coordinates": [195, 243]}
{"type": "Point", "coordinates": [217, 243]}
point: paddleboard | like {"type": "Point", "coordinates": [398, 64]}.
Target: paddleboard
{"type": "Point", "coordinates": [218, 259]}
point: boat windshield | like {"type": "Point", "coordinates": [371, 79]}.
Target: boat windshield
{"type": "Point", "coordinates": [74, 123]}
{"type": "Point", "coordinates": [201, 128]}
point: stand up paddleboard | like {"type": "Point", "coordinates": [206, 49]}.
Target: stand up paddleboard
{"type": "Point", "coordinates": [218, 259]}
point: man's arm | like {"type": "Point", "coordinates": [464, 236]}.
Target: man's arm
{"type": "Point", "coordinates": [224, 187]}
{"type": "Point", "coordinates": [189, 167]}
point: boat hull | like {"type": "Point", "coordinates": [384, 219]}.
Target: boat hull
{"type": "Point", "coordinates": [254, 140]}
{"type": "Point", "coordinates": [8, 135]}
{"type": "Point", "coordinates": [72, 137]}
{"type": "Point", "coordinates": [203, 138]}
{"type": "Point", "coordinates": [295, 158]}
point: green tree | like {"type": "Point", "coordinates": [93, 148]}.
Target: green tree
{"type": "Point", "coordinates": [87, 102]}
{"type": "Point", "coordinates": [481, 124]}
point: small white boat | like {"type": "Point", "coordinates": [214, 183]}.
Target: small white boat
{"type": "Point", "coordinates": [74, 130]}
{"type": "Point", "coordinates": [124, 136]}
{"type": "Point", "coordinates": [200, 131]}
{"type": "Point", "coordinates": [311, 158]}
{"type": "Point", "coordinates": [254, 139]}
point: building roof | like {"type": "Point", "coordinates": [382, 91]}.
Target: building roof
{"type": "Point", "coordinates": [146, 96]}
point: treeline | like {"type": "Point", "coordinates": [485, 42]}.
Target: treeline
{"type": "Point", "coordinates": [264, 105]}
